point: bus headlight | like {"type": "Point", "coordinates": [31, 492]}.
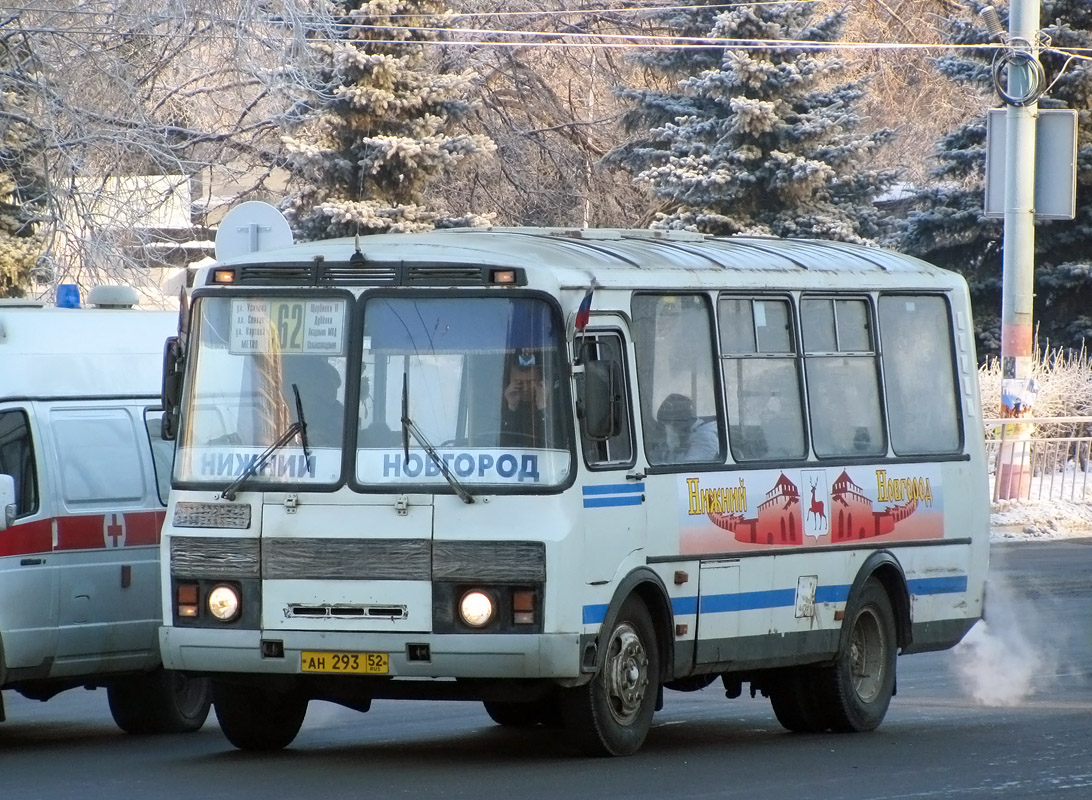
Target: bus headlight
{"type": "Point", "coordinates": [223, 603]}
{"type": "Point", "coordinates": [476, 609]}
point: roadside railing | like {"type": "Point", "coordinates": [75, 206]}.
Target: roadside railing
{"type": "Point", "coordinates": [1040, 458]}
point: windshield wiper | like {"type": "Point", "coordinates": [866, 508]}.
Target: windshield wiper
{"type": "Point", "coordinates": [409, 427]}
{"type": "Point", "coordinates": [297, 427]}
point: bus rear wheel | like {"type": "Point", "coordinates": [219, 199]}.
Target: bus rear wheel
{"type": "Point", "coordinates": [253, 718]}
{"type": "Point", "coordinates": [611, 715]}
{"type": "Point", "coordinates": [799, 702]}
{"type": "Point", "coordinates": [162, 701]}
{"type": "Point", "coordinates": [861, 681]}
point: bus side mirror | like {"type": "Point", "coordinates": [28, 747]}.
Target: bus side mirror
{"type": "Point", "coordinates": [7, 502]}
{"type": "Point", "coordinates": [174, 361]}
{"type": "Point", "coordinates": [602, 404]}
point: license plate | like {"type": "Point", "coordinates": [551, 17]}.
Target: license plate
{"type": "Point", "coordinates": [345, 663]}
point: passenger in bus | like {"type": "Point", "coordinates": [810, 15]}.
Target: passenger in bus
{"type": "Point", "coordinates": [687, 439]}
{"type": "Point", "coordinates": [318, 382]}
{"type": "Point", "coordinates": [524, 411]}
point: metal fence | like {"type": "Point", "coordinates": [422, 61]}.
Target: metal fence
{"type": "Point", "coordinates": [1040, 458]}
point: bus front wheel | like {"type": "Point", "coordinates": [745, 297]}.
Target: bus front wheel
{"type": "Point", "coordinates": [611, 715]}
{"type": "Point", "coordinates": [258, 719]}
{"type": "Point", "coordinates": [862, 679]}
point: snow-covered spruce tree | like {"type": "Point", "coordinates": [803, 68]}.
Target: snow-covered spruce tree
{"type": "Point", "coordinates": [947, 226]}
{"type": "Point", "coordinates": [361, 158]}
{"type": "Point", "coordinates": [23, 187]}
{"type": "Point", "coordinates": [763, 139]}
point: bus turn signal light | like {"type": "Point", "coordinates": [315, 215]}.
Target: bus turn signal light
{"type": "Point", "coordinates": [186, 600]}
{"type": "Point", "coordinates": [523, 607]}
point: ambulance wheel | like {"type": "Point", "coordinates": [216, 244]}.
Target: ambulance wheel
{"type": "Point", "coordinates": [798, 702]}
{"type": "Point", "coordinates": [160, 702]}
{"type": "Point", "coordinates": [861, 682]}
{"type": "Point", "coordinates": [612, 714]}
{"type": "Point", "coordinates": [258, 719]}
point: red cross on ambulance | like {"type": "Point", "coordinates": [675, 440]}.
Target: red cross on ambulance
{"type": "Point", "coordinates": [113, 530]}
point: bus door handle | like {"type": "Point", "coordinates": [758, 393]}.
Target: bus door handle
{"type": "Point", "coordinates": [635, 476]}
{"type": "Point", "coordinates": [31, 562]}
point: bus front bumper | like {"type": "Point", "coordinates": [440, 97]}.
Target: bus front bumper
{"type": "Point", "coordinates": [517, 656]}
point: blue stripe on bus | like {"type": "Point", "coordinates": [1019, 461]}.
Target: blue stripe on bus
{"type": "Point", "coordinates": [614, 488]}
{"type": "Point", "coordinates": [683, 606]}
{"type": "Point", "coordinates": [602, 502]}
{"type": "Point", "coordinates": [594, 615]}
{"type": "Point", "coordinates": [779, 598]}
{"type": "Point", "coordinates": [613, 495]}
{"type": "Point", "coordinates": [923, 586]}
{"type": "Point", "coordinates": [747, 601]}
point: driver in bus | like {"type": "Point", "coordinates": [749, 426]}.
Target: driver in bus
{"type": "Point", "coordinates": [524, 412]}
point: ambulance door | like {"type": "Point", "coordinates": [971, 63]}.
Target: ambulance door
{"type": "Point", "coordinates": [106, 548]}
{"type": "Point", "coordinates": [28, 609]}
{"type": "Point", "coordinates": [612, 494]}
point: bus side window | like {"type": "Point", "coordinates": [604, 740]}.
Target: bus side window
{"type": "Point", "coordinates": [17, 460]}
{"type": "Point", "coordinates": [843, 378]}
{"type": "Point", "coordinates": [761, 373]}
{"type": "Point", "coordinates": [922, 400]}
{"type": "Point", "coordinates": [616, 450]}
{"type": "Point", "coordinates": [676, 370]}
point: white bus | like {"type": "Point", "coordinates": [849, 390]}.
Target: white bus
{"type": "Point", "coordinates": [559, 471]}
{"type": "Point", "coordinates": [84, 477]}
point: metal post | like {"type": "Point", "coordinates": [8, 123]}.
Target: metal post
{"type": "Point", "coordinates": [1018, 255]}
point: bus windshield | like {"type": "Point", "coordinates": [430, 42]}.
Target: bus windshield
{"type": "Point", "coordinates": [253, 356]}
{"type": "Point", "coordinates": [479, 377]}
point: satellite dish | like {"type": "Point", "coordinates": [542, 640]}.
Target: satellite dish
{"type": "Point", "coordinates": [250, 227]}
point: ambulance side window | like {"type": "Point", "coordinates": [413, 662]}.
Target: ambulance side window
{"type": "Point", "coordinates": [17, 460]}
{"type": "Point", "coordinates": [88, 439]}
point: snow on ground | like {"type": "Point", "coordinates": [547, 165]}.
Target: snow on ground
{"type": "Point", "coordinates": [1039, 520]}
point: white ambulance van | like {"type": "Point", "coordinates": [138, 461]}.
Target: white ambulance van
{"type": "Point", "coordinates": [84, 475]}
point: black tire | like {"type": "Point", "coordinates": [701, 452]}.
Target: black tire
{"type": "Point", "coordinates": [258, 719]}
{"type": "Point", "coordinates": [160, 702]}
{"type": "Point", "coordinates": [861, 682]}
{"type": "Point", "coordinates": [611, 715]}
{"type": "Point", "coordinates": [798, 701]}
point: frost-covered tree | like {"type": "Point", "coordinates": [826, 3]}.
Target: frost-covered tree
{"type": "Point", "coordinates": [363, 153]}
{"type": "Point", "coordinates": [947, 224]}
{"type": "Point", "coordinates": [763, 138]}
{"type": "Point", "coordinates": [23, 192]}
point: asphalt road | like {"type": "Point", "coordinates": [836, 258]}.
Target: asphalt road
{"type": "Point", "coordinates": [1006, 715]}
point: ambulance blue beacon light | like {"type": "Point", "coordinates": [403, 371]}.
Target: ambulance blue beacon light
{"type": "Point", "coordinates": [68, 295]}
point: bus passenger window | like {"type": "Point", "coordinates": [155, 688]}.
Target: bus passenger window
{"type": "Point", "coordinates": [676, 373]}
{"type": "Point", "coordinates": [842, 377]}
{"type": "Point", "coordinates": [17, 460]}
{"type": "Point", "coordinates": [761, 376]}
{"type": "Point", "coordinates": [922, 400]}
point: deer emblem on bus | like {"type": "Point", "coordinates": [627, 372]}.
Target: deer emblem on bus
{"type": "Point", "coordinates": [816, 508]}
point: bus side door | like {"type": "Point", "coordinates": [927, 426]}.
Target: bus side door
{"type": "Point", "coordinates": [612, 495]}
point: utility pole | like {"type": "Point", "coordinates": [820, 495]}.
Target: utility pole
{"type": "Point", "coordinates": [1024, 85]}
